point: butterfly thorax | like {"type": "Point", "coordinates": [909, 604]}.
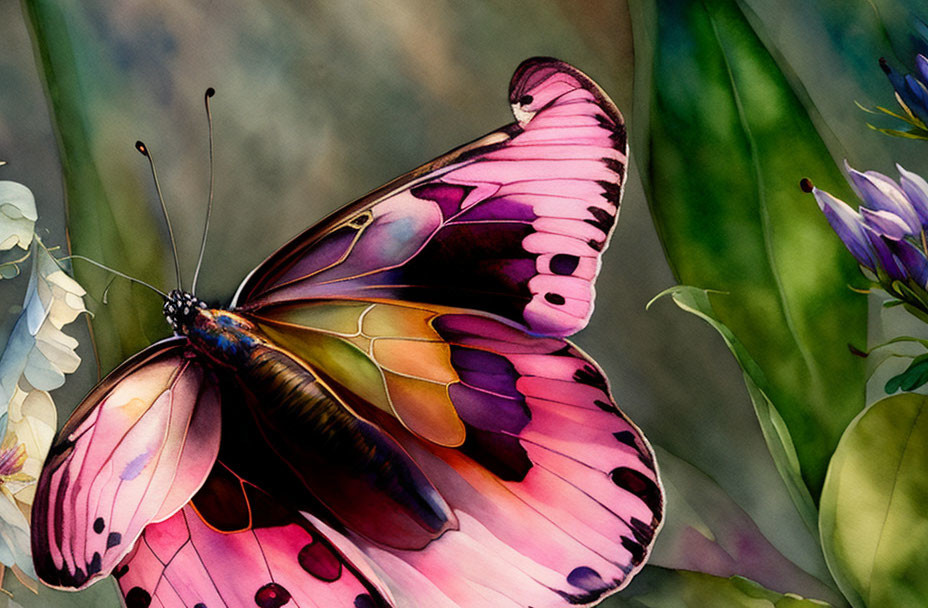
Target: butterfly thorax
{"type": "Point", "coordinates": [181, 308]}
{"type": "Point", "coordinates": [225, 337]}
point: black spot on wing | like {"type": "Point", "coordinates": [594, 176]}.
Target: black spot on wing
{"type": "Point", "coordinates": [643, 532]}
{"type": "Point", "coordinates": [318, 559]}
{"type": "Point", "coordinates": [271, 595]}
{"type": "Point", "coordinates": [113, 539]}
{"type": "Point", "coordinates": [588, 579]}
{"type": "Point", "coordinates": [364, 601]}
{"type": "Point", "coordinates": [635, 549]}
{"type": "Point", "coordinates": [601, 218]}
{"type": "Point", "coordinates": [138, 598]}
{"type": "Point", "coordinates": [614, 165]}
{"type": "Point", "coordinates": [99, 525]}
{"type": "Point", "coordinates": [591, 376]}
{"type": "Point", "coordinates": [639, 485]}
{"type": "Point", "coordinates": [555, 298]}
{"type": "Point", "coordinates": [627, 438]}
{"type": "Point", "coordinates": [95, 565]}
{"type": "Point", "coordinates": [612, 192]}
{"type": "Point", "coordinates": [564, 264]}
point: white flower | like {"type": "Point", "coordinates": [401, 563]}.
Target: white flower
{"type": "Point", "coordinates": [34, 361]}
{"type": "Point", "coordinates": [17, 216]}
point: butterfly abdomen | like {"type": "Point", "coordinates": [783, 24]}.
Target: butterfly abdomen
{"type": "Point", "coordinates": [354, 468]}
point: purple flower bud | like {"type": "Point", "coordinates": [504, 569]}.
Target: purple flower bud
{"type": "Point", "coordinates": [848, 225]}
{"type": "Point", "coordinates": [885, 224]}
{"type": "Point", "coordinates": [914, 261]}
{"type": "Point", "coordinates": [880, 193]}
{"type": "Point", "coordinates": [885, 258]}
{"type": "Point", "coordinates": [916, 189]}
{"type": "Point", "coordinates": [922, 64]}
{"type": "Point", "coordinates": [911, 92]}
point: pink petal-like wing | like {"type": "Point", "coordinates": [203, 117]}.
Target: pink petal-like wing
{"type": "Point", "coordinates": [134, 452]}
{"type": "Point", "coordinates": [286, 562]}
{"type": "Point", "coordinates": [556, 491]}
{"type": "Point", "coordinates": [512, 224]}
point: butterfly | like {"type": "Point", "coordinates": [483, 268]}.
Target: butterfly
{"type": "Point", "coordinates": [388, 413]}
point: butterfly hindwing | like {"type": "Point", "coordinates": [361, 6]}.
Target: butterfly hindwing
{"type": "Point", "coordinates": [135, 451]}
{"type": "Point", "coordinates": [555, 491]}
{"type": "Point", "coordinates": [278, 560]}
{"type": "Point", "coordinates": [512, 224]}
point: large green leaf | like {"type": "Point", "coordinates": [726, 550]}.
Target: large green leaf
{"type": "Point", "coordinates": [728, 141]}
{"type": "Point", "coordinates": [776, 433]}
{"type": "Point", "coordinates": [107, 218]}
{"type": "Point", "coordinates": [873, 519]}
{"type": "Point", "coordinates": [661, 588]}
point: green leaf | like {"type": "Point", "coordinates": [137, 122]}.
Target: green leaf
{"type": "Point", "coordinates": [914, 376]}
{"type": "Point", "coordinates": [660, 588]}
{"type": "Point", "coordinates": [873, 520]}
{"type": "Point", "coordinates": [107, 218]}
{"type": "Point", "coordinates": [102, 594]}
{"type": "Point", "coordinates": [776, 433]}
{"type": "Point", "coordinates": [726, 143]}
{"type": "Point", "coordinates": [706, 531]}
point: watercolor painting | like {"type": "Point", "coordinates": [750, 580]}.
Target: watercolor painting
{"type": "Point", "coordinates": [430, 304]}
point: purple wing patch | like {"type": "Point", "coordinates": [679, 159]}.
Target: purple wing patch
{"type": "Point", "coordinates": [513, 224]}
{"type": "Point", "coordinates": [556, 492]}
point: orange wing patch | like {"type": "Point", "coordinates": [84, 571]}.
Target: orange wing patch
{"type": "Point", "coordinates": [403, 355]}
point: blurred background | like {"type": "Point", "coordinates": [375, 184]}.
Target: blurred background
{"type": "Point", "coordinates": [319, 102]}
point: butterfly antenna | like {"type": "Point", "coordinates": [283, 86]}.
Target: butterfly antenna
{"type": "Point", "coordinates": [141, 147]}
{"type": "Point", "coordinates": [209, 204]}
{"type": "Point", "coordinates": [117, 273]}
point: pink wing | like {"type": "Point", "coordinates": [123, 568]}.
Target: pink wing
{"type": "Point", "coordinates": [513, 224]}
{"type": "Point", "coordinates": [556, 491]}
{"type": "Point", "coordinates": [134, 452]}
{"type": "Point", "coordinates": [279, 561]}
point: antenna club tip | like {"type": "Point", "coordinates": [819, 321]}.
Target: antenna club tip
{"type": "Point", "coordinates": [210, 92]}
{"type": "Point", "coordinates": [806, 185]}
{"type": "Point", "coordinates": [141, 147]}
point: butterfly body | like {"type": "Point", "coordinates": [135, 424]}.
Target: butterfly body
{"type": "Point", "coordinates": [389, 413]}
{"type": "Point", "coordinates": [330, 449]}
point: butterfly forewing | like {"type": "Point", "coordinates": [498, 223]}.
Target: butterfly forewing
{"type": "Point", "coordinates": [134, 452]}
{"type": "Point", "coordinates": [513, 224]}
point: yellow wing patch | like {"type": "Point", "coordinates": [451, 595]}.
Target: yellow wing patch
{"type": "Point", "coordinates": [406, 368]}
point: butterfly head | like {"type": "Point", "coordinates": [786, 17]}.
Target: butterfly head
{"type": "Point", "coordinates": [181, 308]}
